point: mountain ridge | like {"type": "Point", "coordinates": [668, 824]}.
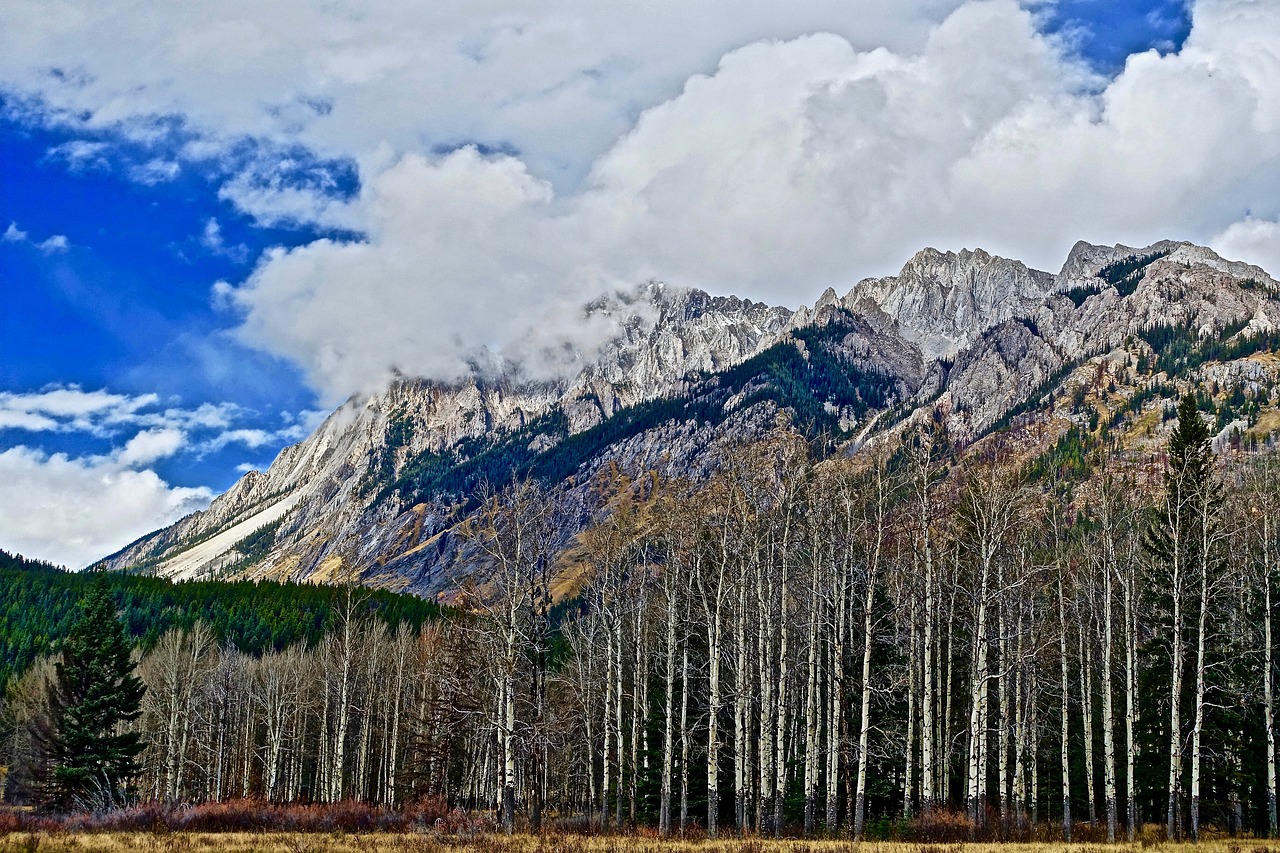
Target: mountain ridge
{"type": "Point", "coordinates": [968, 336]}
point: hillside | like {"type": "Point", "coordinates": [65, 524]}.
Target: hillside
{"type": "Point", "coordinates": [1093, 354]}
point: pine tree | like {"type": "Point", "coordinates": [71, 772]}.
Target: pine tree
{"type": "Point", "coordinates": [1178, 540]}
{"type": "Point", "coordinates": [90, 759]}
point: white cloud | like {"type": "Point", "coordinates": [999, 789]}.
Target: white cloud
{"type": "Point", "coordinates": [154, 432]}
{"type": "Point", "coordinates": [73, 511]}
{"type": "Point", "coordinates": [70, 409]}
{"type": "Point", "coordinates": [81, 154]}
{"type": "Point", "coordinates": [1256, 241]}
{"type": "Point", "coordinates": [211, 238]}
{"type": "Point", "coordinates": [766, 151]}
{"type": "Point", "coordinates": [50, 246]}
{"type": "Point", "coordinates": [558, 80]}
{"type": "Point", "coordinates": [155, 171]}
{"type": "Point", "coordinates": [470, 251]}
{"type": "Point", "coordinates": [148, 446]}
{"type": "Point", "coordinates": [54, 245]}
{"type": "Point", "coordinates": [76, 508]}
{"type": "Point", "coordinates": [796, 165]}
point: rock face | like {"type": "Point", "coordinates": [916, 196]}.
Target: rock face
{"type": "Point", "coordinates": [944, 301]}
{"type": "Point", "coordinates": [377, 493]}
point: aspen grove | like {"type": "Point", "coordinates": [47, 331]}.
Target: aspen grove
{"type": "Point", "coordinates": [909, 640]}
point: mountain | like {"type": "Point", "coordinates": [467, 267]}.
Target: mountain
{"type": "Point", "coordinates": [380, 492]}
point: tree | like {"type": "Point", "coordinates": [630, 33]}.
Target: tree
{"type": "Point", "coordinates": [1180, 540]}
{"type": "Point", "coordinates": [91, 759]}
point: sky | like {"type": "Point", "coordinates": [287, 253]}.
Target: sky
{"type": "Point", "coordinates": [218, 220]}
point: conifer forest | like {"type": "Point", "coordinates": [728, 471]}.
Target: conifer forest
{"type": "Point", "coordinates": [910, 642]}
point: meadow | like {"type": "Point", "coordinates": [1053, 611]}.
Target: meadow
{"type": "Point", "coordinates": [162, 841]}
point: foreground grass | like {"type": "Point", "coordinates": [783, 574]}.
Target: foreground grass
{"type": "Point", "coordinates": [283, 842]}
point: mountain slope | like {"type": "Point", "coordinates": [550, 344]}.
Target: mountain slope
{"type": "Point", "coordinates": [378, 492]}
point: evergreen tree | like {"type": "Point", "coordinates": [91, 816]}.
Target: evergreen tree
{"type": "Point", "coordinates": [1191, 489]}
{"type": "Point", "coordinates": [1180, 541]}
{"type": "Point", "coordinates": [89, 758]}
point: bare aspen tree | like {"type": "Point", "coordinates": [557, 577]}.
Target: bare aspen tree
{"type": "Point", "coordinates": [1263, 495]}
{"type": "Point", "coordinates": [1173, 539]}
{"type": "Point", "coordinates": [518, 532]}
{"type": "Point", "coordinates": [1084, 663]}
{"type": "Point", "coordinates": [874, 511]}
{"type": "Point", "coordinates": [988, 512]}
{"type": "Point", "coordinates": [924, 472]}
{"type": "Point", "coordinates": [712, 576]}
{"type": "Point", "coordinates": [1065, 687]}
{"type": "Point", "coordinates": [817, 581]}
{"type": "Point", "coordinates": [680, 541]}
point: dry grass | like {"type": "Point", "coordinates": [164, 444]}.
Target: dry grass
{"type": "Point", "coordinates": [283, 842]}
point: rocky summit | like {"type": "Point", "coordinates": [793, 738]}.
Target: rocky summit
{"type": "Point", "coordinates": [383, 489]}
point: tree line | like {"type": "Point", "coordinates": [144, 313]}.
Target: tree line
{"type": "Point", "coordinates": [38, 606]}
{"type": "Point", "coordinates": [910, 634]}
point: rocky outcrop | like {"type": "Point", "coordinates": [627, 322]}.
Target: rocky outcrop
{"type": "Point", "coordinates": [942, 301]}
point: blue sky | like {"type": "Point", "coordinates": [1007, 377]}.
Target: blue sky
{"type": "Point", "coordinates": [253, 225]}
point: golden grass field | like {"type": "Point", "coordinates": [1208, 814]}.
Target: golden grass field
{"type": "Point", "coordinates": [284, 842]}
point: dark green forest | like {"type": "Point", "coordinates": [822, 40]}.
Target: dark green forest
{"type": "Point", "coordinates": [38, 605]}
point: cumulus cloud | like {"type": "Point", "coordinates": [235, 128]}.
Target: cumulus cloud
{"type": "Point", "coordinates": [254, 438]}
{"type": "Point", "coordinates": [211, 238]}
{"type": "Point", "coordinates": [73, 511]}
{"type": "Point", "coordinates": [1256, 241]}
{"type": "Point", "coordinates": [76, 508]}
{"type": "Point", "coordinates": [769, 152]}
{"type": "Point", "coordinates": [464, 256]}
{"type": "Point", "coordinates": [69, 408]}
{"type": "Point", "coordinates": [557, 80]}
{"type": "Point", "coordinates": [154, 432]}
{"type": "Point", "coordinates": [148, 446]}
{"type": "Point", "coordinates": [795, 165]}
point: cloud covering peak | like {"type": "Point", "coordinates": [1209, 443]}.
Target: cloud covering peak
{"type": "Point", "coordinates": [510, 166]}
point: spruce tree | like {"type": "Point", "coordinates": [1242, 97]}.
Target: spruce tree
{"type": "Point", "coordinates": [1191, 489]}
{"type": "Point", "coordinates": [90, 759]}
{"type": "Point", "coordinates": [1183, 525]}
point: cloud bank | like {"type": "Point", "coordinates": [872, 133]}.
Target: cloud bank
{"type": "Point", "coordinates": [73, 509]}
{"type": "Point", "coordinates": [794, 166]}
{"type": "Point", "coordinates": [769, 154]}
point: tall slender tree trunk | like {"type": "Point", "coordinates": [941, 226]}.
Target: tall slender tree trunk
{"type": "Point", "coordinates": [811, 721]}
{"type": "Point", "coordinates": [1108, 717]}
{"type": "Point", "coordinates": [684, 740]}
{"type": "Point", "coordinates": [1267, 679]}
{"type": "Point", "coordinates": [1197, 731]}
{"type": "Point", "coordinates": [668, 717]}
{"type": "Point", "coordinates": [1001, 680]}
{"type": "Point", "coordinates": [928, 701]}
{"type": "Point", "coordinates": [836, 702]}
{"type": "Point", "coordinates": [1131, 700]}
{"type": "Point", "coordinates": [1175, 690]}
{"type": "Point", "coordinates": [619, 730]}
{"type": "Point", "coordinates": [606, 728]}
{"type": "Point", "coordinates": [976, 782]}
{"type": "Point", "coordinates": [780, 719]}
{"type": "Point", "coordinates": [1085, 648]}
{"type": "Point", "coordinates": [740, 701]}
{"type": "Point", "coordinates": [864, 731]}
{"type": "Point", "coordinates": [1066, 715]}
{"type": "Point", "coordinates": [913, 676]}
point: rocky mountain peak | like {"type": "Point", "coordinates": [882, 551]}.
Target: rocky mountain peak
{"type": "Point", "coordinates": [943, 300]}
{"type": "Point", "coordinates": [969, 334]}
